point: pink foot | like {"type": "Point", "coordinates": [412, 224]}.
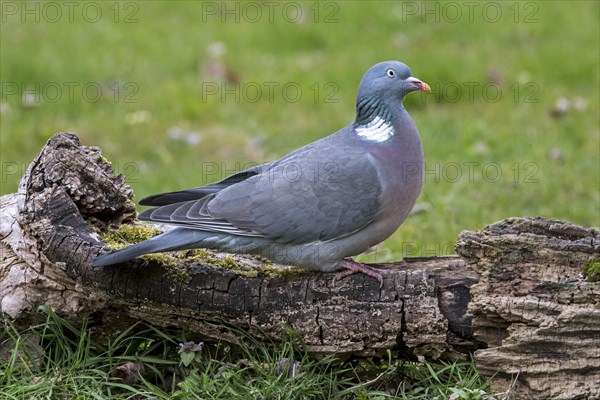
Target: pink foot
{"type": "Point", "coordinates": [353, 267]}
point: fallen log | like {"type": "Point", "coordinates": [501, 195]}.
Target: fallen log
{"type": "Point", "coordinates": [533, 308]}
{"type": "Point", "coordinates": [69, 193]}
{"type": "Point", "coordinates": [520, 278]}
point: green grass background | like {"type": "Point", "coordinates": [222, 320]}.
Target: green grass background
{"type": "Point", "coordinates": [550, 165]}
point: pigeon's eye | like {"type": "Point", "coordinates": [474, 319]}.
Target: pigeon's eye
{"type": "Point", "coordinates": [391, 73]}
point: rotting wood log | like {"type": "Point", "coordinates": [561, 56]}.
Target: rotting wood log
{"type": "Point", "coordinates": [533, 308]}
{"type": "Point", "coordinates": [531, 305]}
{"type": "Point", "coordinates": [49, 236]}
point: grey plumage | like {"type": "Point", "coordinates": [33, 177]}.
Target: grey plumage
{"type": "Point", "coordinates": [314, 207]}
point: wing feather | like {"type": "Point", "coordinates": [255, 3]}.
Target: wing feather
{"type": "Point", "coordinates": [200, 192]}
{"type": "Point", "coordinates": [314, 203]}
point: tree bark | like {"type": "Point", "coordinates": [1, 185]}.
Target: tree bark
{"type": "Point", "coordinates": [532, 307]}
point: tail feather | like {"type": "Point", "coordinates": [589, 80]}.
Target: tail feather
{"type": "Point", "coordinates": [175, 239]}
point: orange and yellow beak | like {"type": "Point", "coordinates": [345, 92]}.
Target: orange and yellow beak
{"type": "Point", "coordinates": [419, 84]}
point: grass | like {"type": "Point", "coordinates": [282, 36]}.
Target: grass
{"type": "Point", "coordinates": [54, 359]}
{"type": "Point", "coordinates": [489, 154]}
{"type": "Point", "coordinates": [136, 83]}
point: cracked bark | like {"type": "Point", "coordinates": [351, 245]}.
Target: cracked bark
{"type": "Point", "coordinates": [539, 317]}
{"type": "Point", "coordinates": [519, 279]}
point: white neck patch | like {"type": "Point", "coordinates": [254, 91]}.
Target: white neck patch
{"type": "Point", "coordinates": [376, 131]}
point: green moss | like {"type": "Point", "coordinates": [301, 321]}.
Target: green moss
{"type": "Point", "coordinates": [230, 263]}
{"type": "Point", "coordinates": [244, 265]}
{"type": "Point", "coordinates": [284, 272]}
{"type": "Point", "coordinates": [198, 255]}
{"type": "Point", "coordinates": [132, 203]}
{"type": "Point", "coordinates": [262, 259]}
{"type": "Point", "coordinates": [175, 263]}
{"type": "Point", "coordinates": [128, 234]}
{"type": "Point", "coordinates": [591, 269]}
{"type": "Point", "coordinates": [206, 257]}
{"type": "Point", "coordinates": [105, 160]}
{"type": "Point", "coordinates": [263, 267]}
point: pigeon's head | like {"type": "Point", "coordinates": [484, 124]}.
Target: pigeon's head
{"type": "Point", "coordinates": [389, 80]}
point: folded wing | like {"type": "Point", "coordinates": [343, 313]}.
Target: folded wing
{"type": "Point", "coordinates": [299, 199]}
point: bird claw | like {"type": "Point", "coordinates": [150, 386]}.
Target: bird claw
{"type": "Point", "coordinates": [353, 267]}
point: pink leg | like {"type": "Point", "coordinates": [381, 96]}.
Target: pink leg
{"type": "Point", "coordinates": [353, 267]}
